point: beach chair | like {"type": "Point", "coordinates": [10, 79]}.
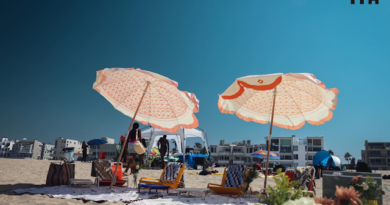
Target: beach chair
{"type": "Point", "coordinates": [172, 175]}
{"type": "Point", "coordinates": [305, 176]}
{"type": "Point", "coordinates": [232, 181]}
{"type": "Point", "coordinates": [102, 170]}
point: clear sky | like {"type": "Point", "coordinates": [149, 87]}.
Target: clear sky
{"type": "Point", "coordinates": [50, 52]}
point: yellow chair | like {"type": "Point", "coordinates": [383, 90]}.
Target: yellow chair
{"type": "Point", "coordinates": [221, 189]}
{"type": "Point", "coordinates": [174, 184]}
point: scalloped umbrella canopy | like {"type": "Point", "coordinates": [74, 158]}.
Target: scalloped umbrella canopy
{"type": "Point", "coordinates": [163, 105]}
{"type": "Point", "coordinates": [285, 100]}
{"type": "Point", "coordinates": [300, 97]}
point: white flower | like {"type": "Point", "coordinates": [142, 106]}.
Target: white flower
{"type": "Point", "coordinates": [365, 186]}
{"type": "Point", "coordinates": [137, 167]}
{"type": "Point", "coordinates": [301, 201]}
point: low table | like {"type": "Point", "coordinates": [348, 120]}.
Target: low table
{"type": "Point", "coordinates": [193, 190]}
{"type": "Point", "coordinates": [152, 186]}
{"type": "Point", "coordinates": [80, 183]}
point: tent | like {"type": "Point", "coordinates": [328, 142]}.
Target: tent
{"type": "Point", "coordinates": [154, 134]}
{"type": "Point", "coordinates": [326, 159]}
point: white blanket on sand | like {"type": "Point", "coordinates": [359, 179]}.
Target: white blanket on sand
{"type": "Point", "coordinates": [124, 194]}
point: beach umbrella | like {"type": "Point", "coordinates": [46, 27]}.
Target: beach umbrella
{"type": "Point", "coordinates": [147, 97]}
{"type": "Point", "coordinates": [263, 154]}
{"type": "Point", "coordinates": [284, 100]}
{"type": "Point", "coordinates": [96, 142]}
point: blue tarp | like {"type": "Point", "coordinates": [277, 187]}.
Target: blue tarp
{"type": "Point", "coordinates": [325, 159]}
{"type": "Point", "coordinates": [190, 158]}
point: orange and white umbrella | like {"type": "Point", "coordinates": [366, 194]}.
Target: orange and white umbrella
{"type": "Point", "coordinates": [148, 98]}
{"type": "Point", "coordinates": [285, 100]}
{"type": "Point", "coordinates": [163, 105]}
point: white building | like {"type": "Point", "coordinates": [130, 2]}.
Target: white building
{"type": "Point", "coordinates": [6, 146]}
{"type": "Point", "coordinates": [47, 151]}
{"type": "Point", "coordinates": [295, 152]}
{"type": "Point", "coordinates": [63, 143]}
{"type": "Point", "coordinates": [238, 152]}
{"type": "Point", "coordinates": [26, 149]}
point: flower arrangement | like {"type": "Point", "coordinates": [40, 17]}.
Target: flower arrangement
{"type": "Point", "coordinates": [324, 201]}
{"type": "Point", "coordinates": [369, 189]}
{"type": "Point", "coordinates": [249, 177]}
{"type": "Point", "coordinates": [347, 196]}
{"type": "Point", "coordinates": [344, 196]}
{"type": "Point", "coordinates": [135, 168]}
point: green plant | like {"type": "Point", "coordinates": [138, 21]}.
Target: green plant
{"type": "Point", "coordinates": [283, 191]}
{"type": "Point", "coordinates": [249, 177]}
{"type": "Point", "coordinates": [369, 189]}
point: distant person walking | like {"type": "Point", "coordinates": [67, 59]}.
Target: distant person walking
{"type": "Point", "coordinates": [85, 155]}
{"type": "Point", "coordinates": [163, 147]}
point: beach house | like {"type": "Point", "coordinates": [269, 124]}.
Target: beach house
{"type": "Point", "coordinates": [61, 143]}
{"type": "Point", "coordinates": [295, 152]}
{"type": "Point", "coordinates": [6, 146]}
{"type": "Point", "coordinates": [376, 155]}
{"type": "Point", "coordinates": [237, 152]}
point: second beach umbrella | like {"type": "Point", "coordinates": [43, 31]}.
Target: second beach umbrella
{"type": "Point", "coordinates": [284, 100]}
{"type": "Point", "coordinates": [147, 97]}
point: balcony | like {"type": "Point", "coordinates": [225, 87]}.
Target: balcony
{"type": "Point", "coordinates": [378, 163]}
{"type": "Point", "coordinates": [238, 153]}
{"type": "Point", "coordinates": [224, 153]}
{"type": "Point", "coordinates": [223, 161]}
{"type": "Point", "coordinates": [286, 150]}
{"type": "Point", "coordinates": [238, 162]}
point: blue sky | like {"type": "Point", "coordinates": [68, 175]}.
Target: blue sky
{"type": "Point", "coordinates": [50, 52]}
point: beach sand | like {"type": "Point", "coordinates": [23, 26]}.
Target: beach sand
{"type": "Point", "coordinates": [23, 173]}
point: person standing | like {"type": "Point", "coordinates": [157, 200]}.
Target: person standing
{"type": "Point", "coordinates": [163, 147]}
{"type": "Point", "coordinates": [84, 147]}
{"type": "Point", "coordinates": [134, 135]}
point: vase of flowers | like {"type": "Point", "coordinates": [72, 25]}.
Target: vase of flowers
{"type": "Point", "coordinates": [248, 178]}
{"type": "Point", "coordinates": [135, 168]}
{"type": "Point", "coordinates": [369, 188]}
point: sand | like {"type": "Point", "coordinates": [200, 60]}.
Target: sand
{"type": "Point", "coordinates": [22, 173]}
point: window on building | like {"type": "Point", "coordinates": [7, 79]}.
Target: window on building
{"type": "Point", "coordinates": [310, 142]}
{"type": "Point", "coordinates": [317, 142]}
{"type": "Point", "coordinates": [295, 156]}
{"type": "Point", "coordinates": [317, 149]}
{"type": "Point", "coordinates": [310, 157]}
{"type": "Point", "coordinates": [295, 148]}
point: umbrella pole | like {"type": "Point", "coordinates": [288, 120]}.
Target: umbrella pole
{"type": "Point", "coordinates": [269, 139]}
{"type": "Point", "coordinates": [127, 136]}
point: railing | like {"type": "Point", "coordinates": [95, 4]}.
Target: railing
{"type": "Point", "coordinates": [238, 153]}
{"type": "Point", "coordinates": [238, 162]}
{"type": "Point", "coordinates": [378, 163]}
{"type": "Point", "coordinates": [224, 153]}
{"type": "Point", "coordinates": [376, 147]}
{"type": "Point", "coordinates": [378, 155]}
{"type": "Point", "coordinates": [286, 151]}
{"type": "Point", "coordinates": [223, 161]}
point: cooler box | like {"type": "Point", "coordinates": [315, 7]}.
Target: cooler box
{"type": "Point", "coordinates": [68, 154]}
{"type": "Point", "coordinates": [331, 178]}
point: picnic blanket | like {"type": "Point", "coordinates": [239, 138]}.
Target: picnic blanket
{"type": "Point", "coordinates": [126, 195]}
